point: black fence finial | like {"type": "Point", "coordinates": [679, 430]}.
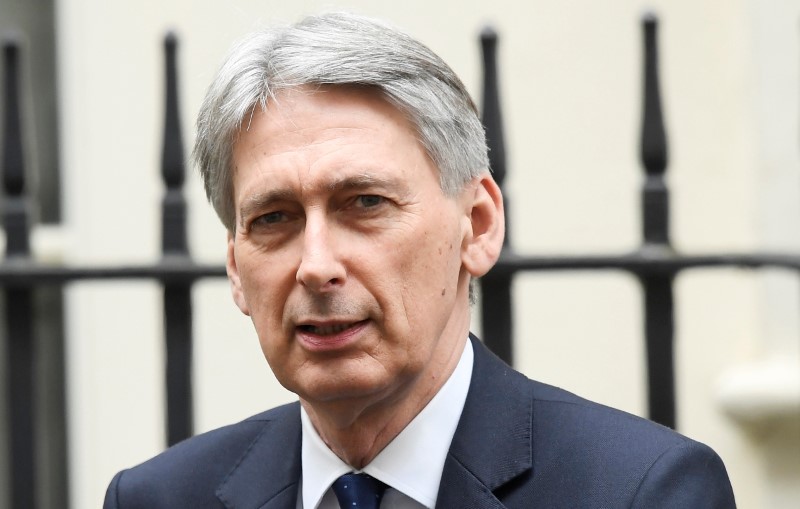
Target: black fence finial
{"type": "Point", "coordinates": [653, 143]}
{"type": "Point", "coordinates": [15, 206]}
{"type": "Point", "coordinates": [173, 171]}
{"type": "Point", "coordinates": [492, 113]}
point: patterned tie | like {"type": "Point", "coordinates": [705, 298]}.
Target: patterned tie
{"type": "Point", "coordinates": [359, 491]}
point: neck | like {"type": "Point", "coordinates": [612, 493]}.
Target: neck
{"type": "Point", "coordinates": [357, 432]}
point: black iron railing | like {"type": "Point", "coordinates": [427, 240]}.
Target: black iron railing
{"type": "Point", "coordinates": [20, 276]}
{"type": "Point", "coordinates": [655, 264]}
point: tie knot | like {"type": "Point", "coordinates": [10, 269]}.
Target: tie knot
{"type": "Point", "coordinates": [358, 491]}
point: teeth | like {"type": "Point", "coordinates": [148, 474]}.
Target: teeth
{"type": "Point", "coordinates": [327, 330]}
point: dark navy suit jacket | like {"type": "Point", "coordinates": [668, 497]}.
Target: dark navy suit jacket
{"type": "Point", "coordinates": [519, 444]}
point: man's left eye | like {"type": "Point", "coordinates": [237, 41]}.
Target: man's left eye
{"type": "Point", "coordinates": [369, 200]}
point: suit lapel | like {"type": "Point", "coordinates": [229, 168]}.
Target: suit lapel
{"type": "Point", "coordinates": [267, 475]}
{"type": "Point", "coordinates": [493, 442]}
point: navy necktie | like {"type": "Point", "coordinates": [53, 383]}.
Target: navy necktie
{"type": "Point", "coordinates": [358, 491]}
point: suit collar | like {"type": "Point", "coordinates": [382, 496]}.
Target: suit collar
{"type": "Point", "coordinates": [267, 475]}
{"type": "Point", "coordinates": [493, 442]}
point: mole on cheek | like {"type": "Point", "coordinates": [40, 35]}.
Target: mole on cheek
{"type": "Point", "coordinates": [444, 291]}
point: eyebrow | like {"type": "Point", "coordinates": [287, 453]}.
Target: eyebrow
{"type": "Point", "coordinates": [362, 181]}
{"type": "Point", "coordinates": [368, 181]}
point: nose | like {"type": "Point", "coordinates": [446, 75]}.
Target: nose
{"type": "Point", "coordinates": [321, 268]}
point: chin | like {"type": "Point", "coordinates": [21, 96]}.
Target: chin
{"type": "Point", "coordinates": [327, 389]}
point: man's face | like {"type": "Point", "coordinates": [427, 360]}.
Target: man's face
{"type": "Point", "coordinates": [346, 254]}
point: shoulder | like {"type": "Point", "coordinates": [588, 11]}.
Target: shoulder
{"type": "Point", "coordinates": [604, 430]}
{"type": "Point", "coordinates": [567, 426]}
{"type": "Point", "coordinates": [554, 408]}
{"type": "Point", "coordinates": [609, 451]}
{"type": "Point", "coordinates": [211, 449]}
{"type": "Point", "coordinates": [579, 451]}
{"type": "Point", "coordinates": [191, 470]}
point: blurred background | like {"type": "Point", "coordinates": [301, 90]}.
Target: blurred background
{"type": "Point", "coordinates": [570, 84]}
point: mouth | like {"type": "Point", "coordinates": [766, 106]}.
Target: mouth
{"type": "Point", "coordinates": [329, 336]}
{"type": "Point", "coordinates": [326, 330]}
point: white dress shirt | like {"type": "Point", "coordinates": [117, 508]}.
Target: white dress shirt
{"type": "Point", "coordinates": [411, 464]}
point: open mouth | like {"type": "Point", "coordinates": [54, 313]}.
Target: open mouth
{"type": "Point", "coordinates": [327, 330]}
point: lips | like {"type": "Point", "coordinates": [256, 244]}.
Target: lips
{"type": "Point", "coordinates": [326, 336]}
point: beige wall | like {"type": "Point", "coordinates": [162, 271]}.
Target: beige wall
{"type": "Point", "coordinates": [570, 84]}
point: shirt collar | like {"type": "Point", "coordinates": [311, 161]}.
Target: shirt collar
{"type": "Point", "coordinates": [412, 463]}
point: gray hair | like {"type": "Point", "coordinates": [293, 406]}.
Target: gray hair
{"type": "Point", "coordinates": [338, 49]}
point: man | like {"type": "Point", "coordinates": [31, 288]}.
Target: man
{"type": "Point", "coordinates": [349, 166]}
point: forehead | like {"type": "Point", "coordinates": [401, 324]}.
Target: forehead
{"type": "Point", "coordinates": [295, 114]}
{"type": "Point", "coordinates": [321, 135]}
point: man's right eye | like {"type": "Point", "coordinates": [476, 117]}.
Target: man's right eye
{"type": "Point", "coordinates": [270, 218]}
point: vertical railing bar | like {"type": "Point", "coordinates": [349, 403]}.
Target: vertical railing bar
{"type": "Point", "coordinates": [496, 306]}
{"type": "Point", "coordinates": [177, 295]}
{"type": "Point", "coordinates": [657, 287]}
{"type": "Point", "coordinates": [18, 298]}
{"type": "Point", "coordinates": [53, 478]}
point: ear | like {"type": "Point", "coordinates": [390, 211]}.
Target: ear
{"type": "Point", "coordinates": [485, 227]}
{"type": "Point", "coordinates": [233, 276]}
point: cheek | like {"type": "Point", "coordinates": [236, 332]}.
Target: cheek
{"type": "Point", "coordinates": [429, 273]}
{"type": "Point", "coordinates": [266, 284]}
{"type": "Point", "coordinates": [437, 260]}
